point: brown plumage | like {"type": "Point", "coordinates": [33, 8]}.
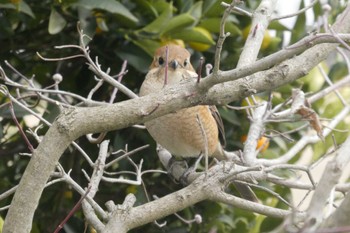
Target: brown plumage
{"type": "Point", "coordinates": [180, 132]}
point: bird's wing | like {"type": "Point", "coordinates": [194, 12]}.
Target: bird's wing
{"type": "Point", "coordinates": [214, 111]}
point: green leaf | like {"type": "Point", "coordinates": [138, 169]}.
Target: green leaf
{"type": "Point", "coordinates": [149, 46]}
{"type": "Point", "coordinates": [159, 23]}
{"type": "Point", "coordinates": [299, 27]}
{"type": "Point", "coordinates": [111, 6]}
{"type": "Point", "coordinates": [135, 57]}
{"type": "Point", "coordinates": [21, 7]}
{"type": "Point", "coordinates": [86, 24]}
{"type": "Point", "coordinates": [213, 25]}
{"type": "Point", "coordinates": [56, 22]}
{"type": "Point", "coordinates": [193, 35]}
{"type": "Point", "coordinates": [275, 25]}
{"type": "Point", "coordinates": [196, 10]}
{"type": "Point", "coordinates": [146, 6]}
{"type": "Point", "coordinates": [160, 5]}
{"type": "Point", "coordinates": [214, 9]}
{"type": "Point", "coordinates": [207, 5]}
{"type": "Point", "coordinates": [25, 8]}
{"type": "Point", "coordinates": [177, 22]}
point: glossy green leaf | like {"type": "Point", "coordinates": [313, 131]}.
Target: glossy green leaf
{"type": "Point", "coordinates": [213, 25]}
{"type": "Point", "coordinates": [56, 22]}
{"type": "Point", "coordinates": [111, 6]}
{"type": "Point", "coordinates": [149, 46]}
{"type": "Point", "coordinates": [192, 35]}
{"type": "Point", "coordinates": [159, 23]}
{"type": "Point", "coordinates": [178, 22]}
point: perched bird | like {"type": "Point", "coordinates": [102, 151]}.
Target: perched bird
{"type": "Point", "coordinates": [180, 132]}
{"type": "Point", "coordinates": [188, 132]}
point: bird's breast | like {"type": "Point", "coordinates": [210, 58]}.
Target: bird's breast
{"type": "Point", "coordinates": [186, 133]}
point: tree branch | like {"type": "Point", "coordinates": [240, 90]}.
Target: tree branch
{"type": "Point", "coordinates": [75, 122]}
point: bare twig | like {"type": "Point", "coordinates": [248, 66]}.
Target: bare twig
{"type": "Point", "coordinates": [298, 12]}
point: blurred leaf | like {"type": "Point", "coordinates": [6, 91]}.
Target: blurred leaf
{"type": "Point", "coordinates": [160, 5]}
{"type": "Point", "coordinates": [196, 10]}
{"type": "Point", "coordinates": [56, 22]}
{"type": "Point", "coordinates": [25, 8]}
{"type": "Point", "coordinates": [21, 7]}
{"type": "Point", "coordinates": [276, 25]}
{"type": "Point", "coordinates": [214, 9]}
{"type": "Point", "coordinates": [299, 27]}
{"type": "Point", "coordinates": [87, 24]}
{"type": "Point", "coordinates": [177, 22]}
{"type": "Point", "coordinates": [6, 27]}
{"type": "Point", "coordinates": [213, 25]}
{"type": "Point", "coordinates": [193, 35]}
{"type": "Point", "coordinates": [257, 226]}
{"type": "Point", "coordinates": [111, 6]}
{"type": "Point", "coordinates": [149, 46]}
{"type": "Point", "coordinates": [338, 71]}
{"type": "Point", "coordinates": [230, 116]}
{"type": "Point", "coordinates": [160, 22]}
{"type": "Point", "coordinates": [207, 5]}
{"type": "Point", "coordinates": [184, 5]}
{"type": "Point", "coordinates": [146, 6]}
{"type": "Point", "coordinates": [135, 57]}
{"type": "Point", "coordinates": [19, 112]}
{"type": "Point", "coordinates": [314, 80]}
{"type": "Point", "coordinates": [227, 220]}
{"type": "Point", "coordinates": [1, 223]}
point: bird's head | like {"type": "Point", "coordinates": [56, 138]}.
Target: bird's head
{"type": "Point", "coordinates": [176, 56]}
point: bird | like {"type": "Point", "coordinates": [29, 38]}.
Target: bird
{"type": "Point", "coordinates": [187, 132]}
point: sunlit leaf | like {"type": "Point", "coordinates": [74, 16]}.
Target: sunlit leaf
{"type": "Point", "coordinates": [193, 35]}
{"type": "Point", "coordinates": [56, 22]}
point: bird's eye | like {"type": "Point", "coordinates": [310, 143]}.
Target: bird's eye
{"type": "Point", "coordinates": [186, 63]}
{"type": "Point", "coordinates": [160, 61]}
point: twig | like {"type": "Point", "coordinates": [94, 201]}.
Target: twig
{"type": "Point", "coordinates": [75, 208]}
{"type": "Point", "coordinates": [166, 65]}
{"type": "Point", "coordinates": [222, 37]}
{"type": "Point", "coordinates": [298, 12]}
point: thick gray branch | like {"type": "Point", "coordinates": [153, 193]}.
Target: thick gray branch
{"type": "Point", "coordinates": [76, 122]}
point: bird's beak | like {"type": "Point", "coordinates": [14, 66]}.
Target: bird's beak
{"type": "Point", "coordinates": [174, 64]}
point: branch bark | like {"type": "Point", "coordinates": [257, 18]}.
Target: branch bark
{"type": "Point", "coordinates": [75, 122]}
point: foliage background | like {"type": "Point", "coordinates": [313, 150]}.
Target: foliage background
{"type": "Point", "coordinates": [132, 30]}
